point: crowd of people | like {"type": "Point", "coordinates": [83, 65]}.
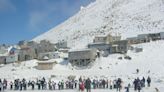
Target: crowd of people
{"type": "Point", "coordinates": [81, 84]}
{"type": "Point", "coordinates": [140, 83]}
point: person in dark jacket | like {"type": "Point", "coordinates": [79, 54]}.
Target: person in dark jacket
{"type": "Point", "coordinates": [88, 85]}
{"type": "Point", "coordinates": [1, 85]}
{"type": "Point", "coordinates": [127, 89]}
{"type": "Point", "coordinates": [103, 83]}
{"type": "Point", "coordinates": [33, 85]}
{"type": "Point", "coordinates": [143, 82]}
{"type": "Point", "coordinates": [148, 81]}
{"type": "Point", "coordinates": [21, 85]}
{"type": "Point", "coordinates": [139, 87]}
{"type": "Point", "coordinates": [118, 83]}
{"type": "Point", "coordinates": [135, 84]}
{"type": "Point", "coordinates": [38, 84]}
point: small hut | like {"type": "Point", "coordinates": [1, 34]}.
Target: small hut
{"type": "Point", "coordinates": [45, 65]}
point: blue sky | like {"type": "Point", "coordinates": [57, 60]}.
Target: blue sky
{"type": "Point", "coordinates": [26, 19]}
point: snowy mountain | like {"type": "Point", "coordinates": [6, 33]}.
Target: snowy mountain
{"type": "Point", "coordinates": [128, 17]}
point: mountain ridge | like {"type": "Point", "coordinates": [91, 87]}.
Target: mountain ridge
{"type": "Point", "coordinates": [128, 17]}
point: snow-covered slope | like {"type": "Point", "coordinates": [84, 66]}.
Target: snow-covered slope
{"type": "Point", "coordinates": [128, 17]}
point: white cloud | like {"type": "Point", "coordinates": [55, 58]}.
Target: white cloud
{"type": "Point", "coordinates": [6, 5]}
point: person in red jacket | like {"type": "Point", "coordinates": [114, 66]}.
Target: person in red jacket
{"type": "Point", "coordinates": [82, 86]}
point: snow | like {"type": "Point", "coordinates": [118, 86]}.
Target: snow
{"type": "Point", "coordinates": [128, 17]}
{"type": "Point", "coordinates": [151, 59]}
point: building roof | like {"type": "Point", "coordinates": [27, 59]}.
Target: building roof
{"type": "Point", "coordinates": [97, 43]}
{"type": "Point", "coordinates": [45, 58]}
{"type": "Point", "coordinates": [132, 38]}
{"type": "Point", "coordinates": [45, 62]}
{"type": "Point", "coordinates": [76, 50]}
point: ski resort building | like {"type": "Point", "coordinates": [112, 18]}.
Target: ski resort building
{"type": "Point", "coordinates": [2, 59]}
{"type": "Point", "coordinates": [82, 57]}
{"type": "Point", "coordinates": [154, 36]}
{"type": "Point", "coordinates": [106, 39]}
{"type": "Point", "coordinates": [99, 46]}
{"type": "Point", "coordinates": [46, 46]}
{"type": "Point", "coordinates": [120, 46]}
{"type": "Point", "coordinates": [22, 43]}
{"type": "Point", "coordinates": [100, 39]}
{"type": "Point", "coordinates": [162, 35]}
{"type": "Point", "coordinates": [64, 50]}
{"type": "Point", "coordinates": [143, 38]}
{"type": "Point", "coordinates": [113, 38]}
{"type": "Point", "coordinates": [102, 47]}
{"type": "Point", "coordinates": [49, 55]}
{"type": "Point", "coordinates": [3, 50]}
{"type": "Point", "coordinates": [133, 40]}
{"type": "Point", "coordinates": [61, 44]}
{"type": "Point", "coordinates": [11, 59]}
{"type": "Point", "coordinates": [26, 53]}
{"type": "Point", "coordinates": [149, 37]}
